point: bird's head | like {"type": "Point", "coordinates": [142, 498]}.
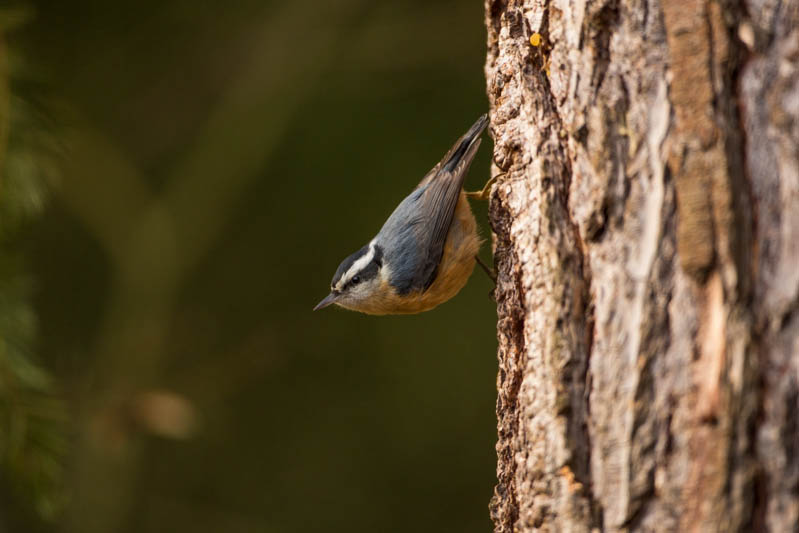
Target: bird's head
{"type": "Point", "coordinates": [359, 282]}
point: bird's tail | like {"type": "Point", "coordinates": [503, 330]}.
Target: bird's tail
{"type": "Point", "coordinates": [461, 148]}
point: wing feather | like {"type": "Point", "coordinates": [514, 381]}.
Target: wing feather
{"type": "Point", "coordinates": [420, 224]}
{"type": "Point", "coordinates": [438, 206]}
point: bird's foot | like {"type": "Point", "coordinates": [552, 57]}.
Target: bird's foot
{"type": "Point", "coordinates": [487, 269]}
{"type": "Point", "coordinates": [486, 192]}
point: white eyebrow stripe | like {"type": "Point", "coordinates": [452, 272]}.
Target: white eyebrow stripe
{"type": "Point", "coordinates": [359, 264]}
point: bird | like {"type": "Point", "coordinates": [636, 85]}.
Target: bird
{"type": "Point", "coordinates": [426, 250]}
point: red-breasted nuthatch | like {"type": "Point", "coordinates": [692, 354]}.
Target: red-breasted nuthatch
{"type": "Point", "coordinates": [426, 250]}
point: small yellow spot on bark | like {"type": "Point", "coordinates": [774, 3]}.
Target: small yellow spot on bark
{"type": "Point", "coordinates": [535, 39]}
{"type": "Point", "coordinates": [574, 485]}
{"type": "Point", "coordinates": [747, 35]}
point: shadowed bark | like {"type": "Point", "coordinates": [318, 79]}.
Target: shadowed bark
{"type": "Point", "coordinates": [647, 246]}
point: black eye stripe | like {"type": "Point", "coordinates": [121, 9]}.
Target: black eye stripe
{"type": "Point", "coordinates": [345, 265]}
{"type": "Point", "coordinates": [365, 274]}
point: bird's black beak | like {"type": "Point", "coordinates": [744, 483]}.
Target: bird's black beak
{"type": "Point", "coordinates": [329, 299]}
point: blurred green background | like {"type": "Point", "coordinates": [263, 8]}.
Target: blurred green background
{"type": "Point", "coordinates": [206, 167]}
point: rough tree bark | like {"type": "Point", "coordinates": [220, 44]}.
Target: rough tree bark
{"type": "Point", "coordinates": [647, 246]}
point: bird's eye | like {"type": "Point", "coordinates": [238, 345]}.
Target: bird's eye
{"type": "Point", "coordinates": [356, 280]}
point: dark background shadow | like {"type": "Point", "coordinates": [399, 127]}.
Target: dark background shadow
{"type": "Point", "coordinates": [221, 160]}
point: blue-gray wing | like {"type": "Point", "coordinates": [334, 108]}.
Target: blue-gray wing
{"type": "Point", "coordinates": [418, 227]}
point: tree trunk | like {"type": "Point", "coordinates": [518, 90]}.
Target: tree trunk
{"type": "Point", "coordinates": [647, 246]}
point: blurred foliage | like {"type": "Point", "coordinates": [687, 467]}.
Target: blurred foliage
{"type": "Point", "coordinates": [221, 161]}
{"type": "Point", "coordinates": [32, 416]}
